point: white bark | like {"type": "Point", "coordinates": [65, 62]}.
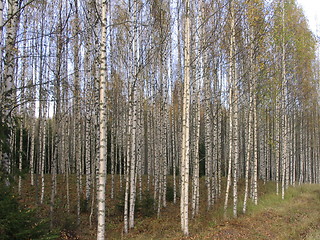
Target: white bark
{"type": "Point", "coordinates": [284, 119]}
{"type": "Point", "coordinates": [249, 135]}
{"type": "Point", "coordinates": [184, 199]}
{"type": "Point", "coordinates": [32, 143]}
{"type": "Point", "coordinates": [175, 157]}
{"type": "Point", "coordinates": [113, 160]}
{"type": "Point", "coordinates": [133, 105]}
{"type": "Point", "coordinates": [196, 185]}
{"type": "Point", "coordinates": [88, 156]}
{"type": "Point", "coordinates": [255, 152]}
{"type": "Point", "coordinates": [43, 132]}
{"type": "Point", "coordinates": [208, 142]}
{"type": "Point", "coordinates": [1, 36]}
{"type": "Point", "coordinates": [20, 159]}
{"type": "Point", "coordinates": [8, 87]}
{"type": "Point", "coordinates": [11, 31]}
{"type": "Point", "coordinates": [101, 184]}
{"type": "Point", "coordinates": [233, 118]}
{"type": "Point", "coordinates": [126, 173]}
{"type": "Point", "coordinates": [76, 106]}
{"type": "Point", "coordinates": [198, 76]}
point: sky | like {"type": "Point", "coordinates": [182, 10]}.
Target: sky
{"type": "Point", "coordinates": [312, 11]}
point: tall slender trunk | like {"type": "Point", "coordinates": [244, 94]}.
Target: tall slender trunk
{"type": "Point", "coordinates": [255, 149]}
{"type": "Point", "coordinates": [284, 118]}
{"type": "Point", "coordinates": [233, 119]}
{"type": "Point", "coordinates": [1, 37]}
{"type": "Point", "coordinates": [175, 157]}
{"type": "Point", "coordinates": [196, 118]}
{"type": "Point", "coordinates": [101, 184]}
{"type": "Point", "coordinates": [133, 105]}
{"type": "Point", "coordinates": [32, 142]}
{"type": "Point", "coordinates": [43, 132]}
{"type": "Point", "coordinates": [208, 142]}
{"type": "Point", "coordinates": [230, 157]}
{"type": "Point", "coordinates": [184, 199]}
{"type": "Point", "coordinates": [20, 157]}
{"type": "Point", "coordinates": [249, 135]}
{"type": "Point", "coordinates": [8, 91]}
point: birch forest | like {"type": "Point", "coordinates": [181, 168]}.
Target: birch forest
{"type": "Point", "coordinates": [117, 111]}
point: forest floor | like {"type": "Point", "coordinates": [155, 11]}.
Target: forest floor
{"type": "Point", "coordinates": [295, 217]}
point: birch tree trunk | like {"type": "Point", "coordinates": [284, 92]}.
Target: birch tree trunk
{"type": "Point", "coordinates": [76, 105]}
{"type": "Point", "coordinates": [208, 142]}
{"type": "Point", "coordinates": [133, 107]}
{"type": "Point", "coordinates": [250, 134]}
{"type": "Point", "coordinates": [20, 156]}
{"type": "Point", "coordinates": [198, 76]}
{"type": "Point", "coordinates": [101, 184]}
{"type": "Point", "coordinates": [255, 148]}
{"type": "Point", "coordinates": [22, 112]}
{"type": "Point", "coordinates": [233, 118]}
{"type": "Point", "coordinates": [32, 142]}
{"type": "Point", "coordinates": [1, 37]}
{"type": "Point", "coordinates": [284, 155]}
{"type": "Point", "coordinates": [43, 141]}
{"type": "Point", "coordinates": [8, 90]}
{"type": "Point", "coordinates": [184, 196]}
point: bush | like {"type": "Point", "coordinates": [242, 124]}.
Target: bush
{"type": "Point", "coordinates": [143, 207]}
{"type": "Point", "coordinates": [69, 223]}
{"type": "Point", "coordinates": [170, 194]}
{"type": "Point", "coordinates": [84, 205]}
{"type": "Point", "coordinates": [120, 204]}
{"type": "Point", "coordinates": [20, 223]}
{"type": "Point", "coordinates": [146, 205]}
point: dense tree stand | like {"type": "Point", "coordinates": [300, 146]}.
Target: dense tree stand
{"type": "Point", "coordinates": [137, 106]}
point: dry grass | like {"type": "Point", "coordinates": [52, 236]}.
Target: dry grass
{"type": "Point", "coordinates": [292, 218]}
{"type": "Point", "coordinates": [296, 217]}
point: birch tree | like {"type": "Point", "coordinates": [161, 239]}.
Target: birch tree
{"type": "Point", "coordinates": [233, 117]}
{"type": "Point", "coordinates": [101, 185]}
{"type": "Point", "coordinates": [8, 91]}
{"type": "Point", "coordinates": [185, 149]}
